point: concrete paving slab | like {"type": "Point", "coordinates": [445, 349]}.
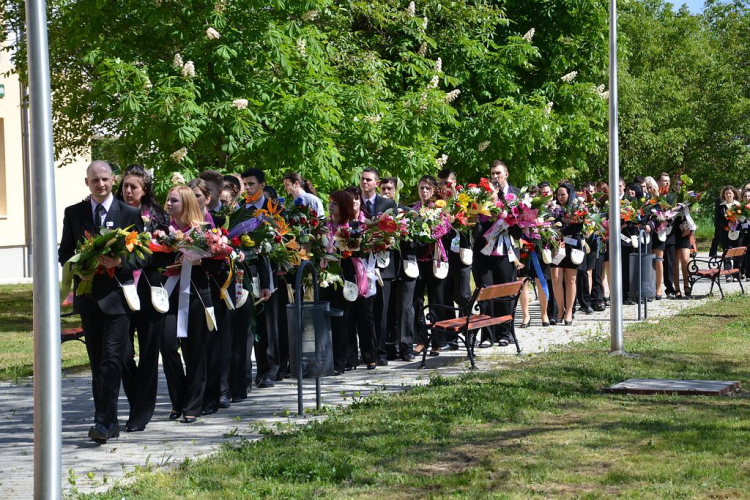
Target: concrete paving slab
{"type": "Point", "coordinates": [657, 386]}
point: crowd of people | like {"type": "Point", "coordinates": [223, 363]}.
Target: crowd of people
{"type": "Point", "coordinates": [196, 313]}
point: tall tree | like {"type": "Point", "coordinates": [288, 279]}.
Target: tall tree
{"type": "Point", "coordinates": [329, 87]}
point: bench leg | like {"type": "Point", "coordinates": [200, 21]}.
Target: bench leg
{"type": "Point", "coordinates": [718, 283]}
{"type": "Point", "coordinates": [469, 344]}
{"type": "Point", "coordinates": [739, 280]}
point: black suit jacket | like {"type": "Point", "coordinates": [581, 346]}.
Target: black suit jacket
{"type": "Point", "coordinates": [381, 205]}
{"type": "Point", "coordinates": [106, 292]}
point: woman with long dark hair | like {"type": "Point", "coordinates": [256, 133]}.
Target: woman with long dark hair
{"type": "Point", "coordinates": [140, 380]}
{"type": "Point", "coordinates": [564, 272]}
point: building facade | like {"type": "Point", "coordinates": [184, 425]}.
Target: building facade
{"type": "Point", "coordinates": [16, 205]}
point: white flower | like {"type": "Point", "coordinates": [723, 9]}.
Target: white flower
{"type": "Point", "coordinates": [239, 103]}
{"type": "Point", "coordinates": [219, 6]}
{"type": "Point", "coordinates": [150, 172]}
{"type": "Point", "coordinates": [442, 160]}
{"type": "Point", "coordinates": [433, 83]}
{"type": "Point", "coordinates": [146, 219]}
{"type": "Point", "coordinates": [548, 108]}
{"type": "Point", "coordinates": [599, 89]}
{"type": "Point", "coordinates": [310, 15]}
{"type": "Point", "coordinates": [452, 95]}
{"type": "Point", "coordinates": [147, 84]}
{"type": "Point", "coordinates": [483, 145]}
{"type": "Point", "coordinates": [373, 119]}
{"type": "Point", "coordinates": [212, 34]}
{"type": "Point", "coordinates": [177, 177]}
{"type": "Point", "coordinates": [439, 65]}
{"type": "Point", "coordinates": [422, 50]}
{"type": "Point", "coordinates": [411, 10]}
{"type": "Point", "coordinates": [423, 102]}
{"type": "Point", "coordinates": [569, 77]}
{"type": "Point", "coordinates": [424, 24]}
{"type": "Point", "coordinates": [188, 71]}
{"type": "Point", "coordinates": [475, 191]}
{"type": "Point", "coordinates": [177, 63]}
{"type": "Point", "coordinates": [529, 35]}
{"type": "Point", "coordinates": [356, 119]}
{"type": "Point", "coordinates": [604, 95]}
{"type": "Point", "coordinates": [301, 44]}
{"type": "Point", "coordinates": [178, 156]}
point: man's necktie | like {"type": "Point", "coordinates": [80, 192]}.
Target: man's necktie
{"type": "Point", "coordinates": [100, 214]}
{"type": "Point", "coordinates": [368, 204]}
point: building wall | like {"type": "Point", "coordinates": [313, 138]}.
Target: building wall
{"type": "Point", "coordinates": [15, 208]}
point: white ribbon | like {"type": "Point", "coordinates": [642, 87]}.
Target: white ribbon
{"type": "Point", "coordinates": [183, 306]}
{"type": "Point", "coordinates": [371, 277]}
{"type": "Point", "coordinates": [689, 219]}
{"type": "Point", "coordinates": [494, 234]}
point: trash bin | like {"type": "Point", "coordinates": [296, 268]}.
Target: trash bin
{"type": "Point", "coordinates": [648, 276]}
{"type": "Point", "coordinates": [317, 349]}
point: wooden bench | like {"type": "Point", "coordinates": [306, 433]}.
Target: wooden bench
{"type": "Point", "coordinates": [472, 317]}
{"type": "Point", "coordinates": [67, 334]}
{"type": "Point", "coordinates": [716, 268]}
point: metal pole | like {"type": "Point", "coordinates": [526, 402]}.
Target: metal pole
{"type": "Point", "coordinates": [47, 390]}
{"type": "Point", "coordinates": [615, 254]}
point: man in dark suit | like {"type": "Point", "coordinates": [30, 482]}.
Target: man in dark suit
{"type": "Point", "coordinates": [268, 353]}
{"type": "Point", "coordinates": [374, 205]}
{"type": "Point", "coordinates": [497, 268]}
{"type": "Point", "coordinates": [105, 315]}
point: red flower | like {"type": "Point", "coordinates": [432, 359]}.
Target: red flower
{"type": "Point", "coordinates": [485, 184]}
{"type": "Point", "coordinates": [224, 231]}
{"type": "Point", "coordinates": [387, 225]}
{"type": "Point", "coordinates": [236, 241]}
{"type": "Point", "coordinates": [277, 238]}
{"type": "Point", "coordinates": [472, 185]}
{"type": "Point", "coordinates": [314, 222]}
{"type": "Point", "coordinates": [302, 220]}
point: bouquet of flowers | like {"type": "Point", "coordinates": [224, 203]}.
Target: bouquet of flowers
{"type": "Point", "coordinates": [384, 232]}
{"type": "Point", "coordinates": [577, 211]}
{"type": "Point", "coordinates": [111, 243]}
{"type": "Point", "coordinates": [738, 213]}
{"type": "Point", "coordinates": [201, 243]}
{"type": "Point", "coordinates": [476, 200]}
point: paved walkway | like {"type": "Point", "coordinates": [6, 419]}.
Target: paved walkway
{"type": "Point", "coordinates": [89, 467]}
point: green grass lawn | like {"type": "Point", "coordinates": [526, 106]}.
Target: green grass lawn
{"type": "Point", "coordinates": [541, 428]}
{"type": "Point", "coordinates": [17, 335]}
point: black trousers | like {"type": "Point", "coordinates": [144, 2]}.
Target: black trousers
{"type": "Point", "coordinates": [458, 282]}
{"type": "Point", "coordinates": [218, 354]}
{"type": "Point", "coordinates": [401, 321]}
{"type": "Point", "coordinates": [493, 270]}
{"type": "Point", "coordinates": [106, 343]}
{"type": "Point", "coordinates": [669, 258]}
{"type": "Point", "coordinates": [238, 360]}
{"type": "Point", "coordinates": [140, 382]}
{"type": "Point", "coordinates": [282, 353]}
{"type": "Point", "coordinates": [362, 328]}
{"type": "Point", "coordinates": [267, 348]}
{"type": "Point", "coordinates": [186, 387]}
{"type": "Point", "coordinates": [435, 288]}
{"type": "Point", "coordinates": [383, 312]}
{"type": "Point", "coordinates": [597, 287]}
{"type": "Point", "coordinates": [339, 326]}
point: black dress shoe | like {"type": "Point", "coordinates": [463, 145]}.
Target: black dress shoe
{"type": "Point", "coordinates": [189, 420]}
{"type": "Point", "coordinates": [134, 428]}
{"type": "Point", "coordinates": [589, 310]}
{"type": "Point", "coordinates": [99, 433]}
{"type": "Point", "coordinates": [224, 402]}
{"type": "Point", "coordinates": [599, 307]}
{"type": "Point", "coordinates": [209, 411]}
{"type": "Point", "coordinates": [238, 399]}
{"type": "Point", "coordinates": [407, 357]}
{"type": "Point", "coordinates": [382, 362]}
{"type": "Point", "coordinates": [434, 354]}
{"type": "Point", "coordinates": [552, 321]}
{"type": "Point", "coordinates": [174, 415]}
{"type": "Point", "coordinates": [503, 343]}
{"type": "Point", "coordinates": [266, 383]}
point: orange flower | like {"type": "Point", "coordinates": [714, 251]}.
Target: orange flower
{"type": "Point", "coordinates": [131, 241]}
{"type": "Point", "coordinates": [252, 199]}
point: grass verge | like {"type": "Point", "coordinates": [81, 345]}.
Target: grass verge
{"type": "Point", "coordinates": [17, 335]}
{"type": "Point", "coordinates": [541, 428]}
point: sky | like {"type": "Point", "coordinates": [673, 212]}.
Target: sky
{"type": "Point", "coordinates": [695, 6]}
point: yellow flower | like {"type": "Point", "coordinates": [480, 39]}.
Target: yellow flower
{"type": "Point", "coordinates": [131, 240]}
{"type": "Point", "coordinates": [440, 203]}
{"type": "Point", "coordinates": [247, 241]}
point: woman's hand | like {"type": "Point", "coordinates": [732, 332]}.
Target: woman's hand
{"type": "Point", "coordinates": [110, 262]}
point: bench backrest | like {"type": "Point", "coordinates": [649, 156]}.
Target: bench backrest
{"type": "Point", "coordinates": [499, 291]}
{"type": "Point", "coordinates": [735, 252]}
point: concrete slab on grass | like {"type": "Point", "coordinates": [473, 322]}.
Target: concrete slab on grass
{"type": "Point", "coordinates": [680, 387]}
